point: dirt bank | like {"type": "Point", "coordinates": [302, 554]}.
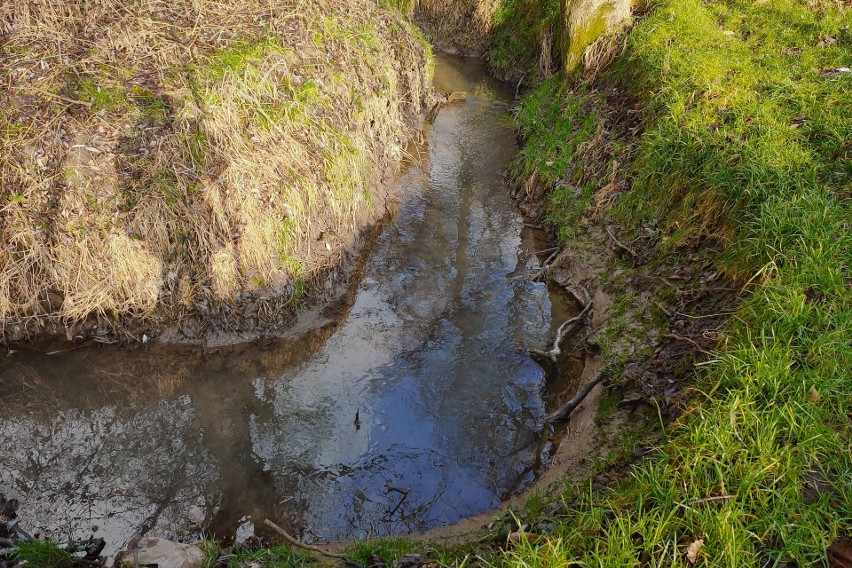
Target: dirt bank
{"type": "Point", "coordinates": [164, 162]}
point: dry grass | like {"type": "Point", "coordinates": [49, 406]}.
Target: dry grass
{"type": "Point", "coordinates": [161, 158]}
{"type": "Point", "coordinates": [463, 26]}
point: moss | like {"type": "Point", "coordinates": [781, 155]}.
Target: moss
{"type": "Point", "coordinates": [583, 34]}
{"type": "Point", "coordinates": [608, 403]}
{"type": "Point", "coordinates": [102, 96]}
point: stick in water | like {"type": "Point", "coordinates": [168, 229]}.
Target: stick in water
{"type": "Point", "coordinates": [569, 406]}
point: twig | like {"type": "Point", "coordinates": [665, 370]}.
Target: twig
{"type": "Point", "coordinates": [714, 498]}
{"type": "Point", "coordinates": [87, 344]}
{"type": "Point", "coordinates": [394, 488]}
{"type": "Point", "coordinates": [565, 330]}
{"type": "Point", "coordinates": [692, 342]}
{"type": "Point", "coordinates": [398, 505]}
{"type": "Point", "coordinates": [663, 309]}
{"type": "Point", "coordinates": [719, 315]}
{"type": "Point", "coordinates": [298, 543]}
{"type": "Point", "coordinates": [545, 266]}
{"type": "Point", "coordinates": [571, 405]}
{"type": "Point", "coordinates": [619, 244]}
{"type": "Point", "coordinates": [61, 98]}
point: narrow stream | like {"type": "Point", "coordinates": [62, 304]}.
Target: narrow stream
{"type": "Point", "coordinates": [420, 408]}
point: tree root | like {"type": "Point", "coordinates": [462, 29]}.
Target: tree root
{"type": "Point", "coordinates": [299, 544]}
{"type": "Point", "coordinates": [689, 340]}
{"type": "Point", "coordinates": [565, 330]}
{"type": "Point", "coordinates": [565, 411]}
{"type": "Point", "coordinates": [620, 245]}
{"type": "Point", "coordinates": [545, 267]}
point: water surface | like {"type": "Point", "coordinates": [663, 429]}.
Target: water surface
{"type": "Point", "coordinates": [430, 358]}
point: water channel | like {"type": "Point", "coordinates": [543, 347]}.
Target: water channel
{"type": "Point", "coordinates": [418, 408]}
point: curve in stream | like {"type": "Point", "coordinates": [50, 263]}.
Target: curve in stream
{"type": "Point", "coordinates": [419, 409]}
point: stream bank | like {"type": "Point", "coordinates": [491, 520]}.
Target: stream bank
{"type": "Point", "coordinates": [416, 405]}
{"type": "Point", "coordinates": [156, 171]}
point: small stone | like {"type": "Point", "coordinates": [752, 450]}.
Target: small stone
{"type": "Point", "coordinates": [162, 553]}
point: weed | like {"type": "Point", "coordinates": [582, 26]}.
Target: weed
{"type": "Point", "coordinates": [43, 554]}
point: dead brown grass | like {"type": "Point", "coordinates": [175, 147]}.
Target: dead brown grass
{"type": "Point", "coordinates": [463, 25]}
{"type": "Point", "coordinates": [161, 158]}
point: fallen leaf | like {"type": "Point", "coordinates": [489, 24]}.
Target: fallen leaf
{"type": "Point", "coordinates": [813, 395]}
{"type": "Point", "coordinates": [692, 551]}
{"type": "Point", "coordinates": [840, 554]}
{"type": "Point", "coordinates": [518, 536]}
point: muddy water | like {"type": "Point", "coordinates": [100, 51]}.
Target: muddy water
{"type": "Point", "coordinates": [419, 407]}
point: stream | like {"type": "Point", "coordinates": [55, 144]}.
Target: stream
{"type": "Point", "coordinates": [417, 408]}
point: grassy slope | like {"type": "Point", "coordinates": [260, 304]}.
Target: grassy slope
{"type": "Point", "coordinates": [745, 153]}
{"type": "Point", "coordinates": [746, 147]}
{"type": "Point", "coordinates": [162, 158]}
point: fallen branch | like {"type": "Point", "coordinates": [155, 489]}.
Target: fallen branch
{"type": "Point", "coordinates": [564, 331]}
{"type": "Point", "coordinates": [569, 407]}
{"type": "Point", "coordinates": [299, 544]}
{"type": "Point", "coordinates": [545, 266]}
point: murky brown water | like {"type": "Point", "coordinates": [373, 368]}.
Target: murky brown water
{"type": "Point", "coordinates": [166, 440]}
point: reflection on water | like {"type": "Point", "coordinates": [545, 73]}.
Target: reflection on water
{"type": "Point", "coordinates": [419, 409]}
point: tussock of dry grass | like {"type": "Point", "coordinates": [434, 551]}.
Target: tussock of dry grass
{"type": "Point", "coordinates": [160, 158]}
{"type": "Point", "coordinates": [464, 25]}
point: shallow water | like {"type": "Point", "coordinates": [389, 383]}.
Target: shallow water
{"type": "Point", "coordinates": [430, 358]}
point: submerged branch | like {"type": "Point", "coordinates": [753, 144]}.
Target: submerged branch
{"type": "Point", "coordinates": [565, 411]}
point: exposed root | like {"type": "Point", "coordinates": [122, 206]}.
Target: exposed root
{"type": "Point", "coordinates": [565, 330]}
{"type": "Point", "coordinates": [545, 267]}
{"type": "Point", "coordinates": [620, 245]}
{"type": "Point", "coordinates": [299, 544]}
{"type": "Point", "coordinates": [692, 342]}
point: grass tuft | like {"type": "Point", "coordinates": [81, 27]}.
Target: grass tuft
{"type": "Point", "coordinates": [43, 554]}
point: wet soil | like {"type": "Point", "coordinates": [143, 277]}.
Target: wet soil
{"type": "Point", "coordinates": [411, 407]}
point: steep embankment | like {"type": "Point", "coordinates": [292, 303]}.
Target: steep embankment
{"type": "Point", "coordinates": [696, 167]}
{"type": "Point", "coordinates": [167, 160]}
{"type": "Point", "coordinates": [712, 142]}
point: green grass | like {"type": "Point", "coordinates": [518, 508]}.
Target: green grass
{"type": "Point", "coordinates": [388, 549]}
{"type": "Point", "coordinates": [239, 557]}
{"type": "Point", "coordinates": [519, 27]}
{"type": "Point", "coordinates": [745, 145]}
{"type": "Point", "coordinates": [43, 554]}
{"type": "Point", "coordinates": [101, 96]}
